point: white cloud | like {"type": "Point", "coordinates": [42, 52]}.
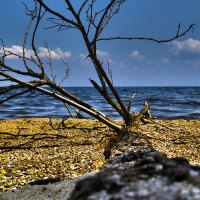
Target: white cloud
{"type": "Point", "coordinates": [102, 54]}
{"type": "Point", "coordinates": [189, 45]}
{"type": "Point", "coordinates": [15, 49]}
{"type": "Point", "coordinates": [55, 54]}
{"type": "Point", "coordinates": [136, 55]}
{"type": "Point", "coordinates": [43, 52]}
{"type": "Point", "coordinates": [83, 56]}
{"type": "Point", "coordinates": [110, 61]}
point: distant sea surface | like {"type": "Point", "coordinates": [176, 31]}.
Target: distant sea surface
{"type": "Point", "coordinates": [166, 102]}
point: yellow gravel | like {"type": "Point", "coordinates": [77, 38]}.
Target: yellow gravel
{"type": "Point", "coordinates": [39, 148]}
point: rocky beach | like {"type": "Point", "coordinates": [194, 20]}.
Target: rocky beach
{"type": "Point", "coordinates": [41, 151]}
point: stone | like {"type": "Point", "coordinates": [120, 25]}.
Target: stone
{"type": "Point", "coordinates": [146, 175]}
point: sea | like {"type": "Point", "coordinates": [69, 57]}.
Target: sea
{"type": "Point", "coordinates": [166, 103]}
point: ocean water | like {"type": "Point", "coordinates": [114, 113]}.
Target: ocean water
{"type": "Point", "coordinates": [166, 102]}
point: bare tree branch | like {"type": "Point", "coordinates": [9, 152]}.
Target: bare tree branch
{"type": "Point", "coordinates": [178, 35]}
{"type": "Point", "coordinates": [15, 95]}
{"type": "Point", "coordinates": [109, 11]}
{"type": "Point", "coordinates": [107, 97]}
{"type": "Point", "coordinates": [66, 71]}
{"type": "Point", "coordinates": [82, 6]}
{"type": "Point", "coordinates": [131, 102]}
{"type": "Point", "coordinates": [57, 14]}
{"type": "Point", "coordinates": [60, 24]}
{"type": "Point", "coordinates": [33, 15]}
{"type": "Point", "coordinates": [68, 101]}
{"type": "Point", "coordinates": [50, 63]}
{"type": "Point", "coordinates": [33, 39]}
{"type": "Point", "coordinates": [11, 69]}
{"type": "Point", "coordinates": [90, 25]}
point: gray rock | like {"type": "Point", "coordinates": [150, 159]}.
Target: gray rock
{"type": "Point", "coordinates": [36, 191]}
{"type": "Point", "coordinates": [142, 175]}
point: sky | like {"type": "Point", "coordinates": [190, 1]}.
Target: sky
{"type": "Point", "coordinates": [133, 63]}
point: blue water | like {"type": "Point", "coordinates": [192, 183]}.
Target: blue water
{"type": "Point", "coordinates": [166, 102]}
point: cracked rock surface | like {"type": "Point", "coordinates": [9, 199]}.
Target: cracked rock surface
{"type": "Point", "coordinates": [146, 175]}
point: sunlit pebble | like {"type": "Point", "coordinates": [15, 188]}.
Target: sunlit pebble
{"type": "Point", "coordinates": [72, 167]}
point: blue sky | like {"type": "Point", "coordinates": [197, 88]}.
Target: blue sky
{"type": "Point", "coordinates": [133, 63]}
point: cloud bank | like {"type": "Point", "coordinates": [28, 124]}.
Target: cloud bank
{"type": "Point", "coordinates": [42, 52]}
{"type": "Point", "coordinates": [190, 45]}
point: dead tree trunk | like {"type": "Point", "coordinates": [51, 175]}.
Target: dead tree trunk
{"type": "Point", "coordinates": [95, 21]}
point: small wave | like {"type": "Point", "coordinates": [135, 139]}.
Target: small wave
{"type": "Point", "coordinates": [165, 102]}
{"type": "Point", "coordinates": [192, 103]}
{"type": "Point", "coordinates": [195, 114]}
{"type": "Point", "coordinates": [154, 99]}
{"type": "Point", "coordinates": [21, 112]}
{"type": "Point", "coordinates": [164, 110]}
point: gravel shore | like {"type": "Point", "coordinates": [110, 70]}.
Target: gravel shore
{"type": "Point", "coordinates": [39, 148]}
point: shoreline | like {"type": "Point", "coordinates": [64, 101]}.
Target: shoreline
{"type": "Point", "coordinates": [118, 119]}
{"type": "Point", "coordinates": [40, 150]}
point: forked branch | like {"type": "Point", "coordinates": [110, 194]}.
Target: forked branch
{"type": "Point", "coordinates": [90, 20]}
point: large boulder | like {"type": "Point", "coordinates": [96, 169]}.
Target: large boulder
{"type": "Point", "coordinates": [141, 175]}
